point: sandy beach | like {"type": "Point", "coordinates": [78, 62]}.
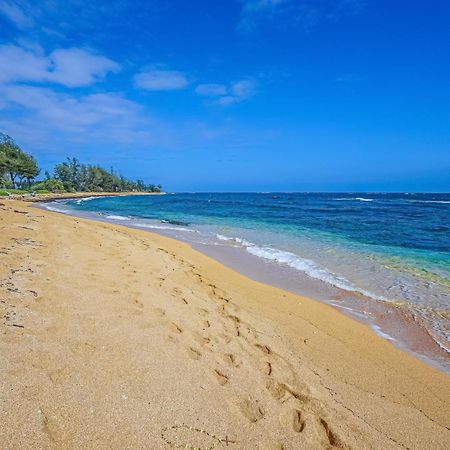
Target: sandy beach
{"type": "Point", "coordinates": [119, 338]}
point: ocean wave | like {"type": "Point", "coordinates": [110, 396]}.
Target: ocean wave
{"type": "Point", "coordinates": [114, 217]}
{"type": "Point", "coordinates": [162, 227]}
{"type": "Point", "coordinates": [243, 242]}
{"type": "Point", "coordinates": [429, 201]}
{"type": "Point", "coordinates": [54, 208]}
{"type": "Point", "coordinates": [84, 199]}
{"type": "Point", "coordinates": [175, 222]}
{"type": "Point", "coordinates": [353, 199]}
{"type": "Point", "coordinates": [307, 266]}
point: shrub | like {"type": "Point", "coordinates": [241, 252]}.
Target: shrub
{"type": "Point", "coordinates": [50, 184]}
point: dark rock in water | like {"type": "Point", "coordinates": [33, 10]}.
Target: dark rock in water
{"type": "Point", "coordinates": [175, 222]}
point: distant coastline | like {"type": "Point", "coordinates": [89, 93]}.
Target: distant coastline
{"type": "Point", "coordinates": [72, 195]}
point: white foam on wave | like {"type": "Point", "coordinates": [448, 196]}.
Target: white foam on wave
{"type": "Point", "coordinates": [114, 217]}
{"type": "Point", "coordinates": [162, 227]}
{"type": "Point", "coordinates": [357, 199]}
{"type": "Point", "coordinates": [84, 199]}
{"type": "Point", "coordinates": [430, 201]}
{"type": "Point", "coordinates": [307, 266]}
{"type": "Point", "coordinates": [243, 242]}
{"type": "Point", "coordinates": [381, 333]}
{"type": "Point", "coordinates": [54, 208]}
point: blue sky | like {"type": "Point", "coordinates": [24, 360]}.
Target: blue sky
{"type": "Point", "coordinates": [235, 95]}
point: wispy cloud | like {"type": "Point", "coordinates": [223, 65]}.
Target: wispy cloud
{"type": "Point", "coordinates": [42, 115]}
{"type": "Point", "coordinates": [38, 101]}
{"type": "Point", "coordinates": [161, 80]}
{"type": "Point", "coordinates": [228, 95]}
{"type": "Point", "coordinates": [72, 67]}
{"type": "Point", "coordinates": [12, 11]}
{"type": "Point", "coordinates": [255, 6]}
{"type": "Point", "coordinates": [65, 112]}
{"type": "Point", "coordinates": [211, 89]}
{"type": "Point", "coordinates": [305, 13]}
{"type": "Point", "coordinates": [254, 11]}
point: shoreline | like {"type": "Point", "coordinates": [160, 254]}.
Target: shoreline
{"type": "Point", "coordinates": [36, 198]}
{"type": "Point", "coordinates": [185, 339]}
{"type": "Point", "coordinates": [383, 318]}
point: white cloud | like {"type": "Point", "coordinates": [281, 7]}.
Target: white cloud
{"type": "Point", "coordinates": [47, 121]}
{"type": "Point", "coordinates": [65, 112]}
{"type": "Point", "coordinates": [161, 80]}
{"type": "Point", "coordinates": [243, 89]}
{"type": "Point", "coordinates": [225, 96]}
{"type": "Point", "coordinates": [211, 89]}
{"type": "Point", "coordinates": [17, 64]}
{"type": "Point", "coordinates": [98, 117]}
{"type": "Point", "coordinates": [72, 67]}
{"type": "Point", "coordinates": [76, 67]}
{"type": "Point", "coordinates": [15, 14]}
{"type": "Point", "coordinates": [238, 92]}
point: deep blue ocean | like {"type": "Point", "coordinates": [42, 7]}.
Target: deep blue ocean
{"type": "Point", "coordinates": [390, 247]}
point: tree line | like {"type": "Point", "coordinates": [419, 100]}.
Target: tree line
{"type": "Point", "coordinates": [19, 170]}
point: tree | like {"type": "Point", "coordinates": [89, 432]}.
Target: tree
{"type": "Point", "coordinates": [86, 178]}
{"type": "Point", "coordinates": [15, 162]}
{"type": "Point", "coordinates": [28, 169]}
{"type": "Point", "coordinates": [64, 173]}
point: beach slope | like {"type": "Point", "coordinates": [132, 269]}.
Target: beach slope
{"type": "Point", "coordinates": [120, 338]}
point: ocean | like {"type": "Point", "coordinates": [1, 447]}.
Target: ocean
{"type": "Point", "coordinates": [384, 259]}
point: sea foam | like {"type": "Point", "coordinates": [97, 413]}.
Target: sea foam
{"type": "Point", "coordinates": [84, 199]}
{"type": "Point", "coordinates": [162, 227]}
{"type": "Point", "coordinates": [54, 208]}
{"type": "Point", "coordinates": [355, 199]}
{"type": "Point", "coordinates": [296, 262]}
{"type": "Point", "coordinates": [114, 217]}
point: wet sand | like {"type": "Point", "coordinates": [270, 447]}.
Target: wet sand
{"type": "Point", "coordinates": [113, 337]}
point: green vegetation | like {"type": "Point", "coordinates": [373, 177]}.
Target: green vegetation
{"type": "Point", "coordinates": [18, 172]}
{"type": "Point", "coordinates": [77, 177]}
{"type": "Point", "coordinates": [6, 192]}
{"type": "Point", "coordinates": [15, 164]}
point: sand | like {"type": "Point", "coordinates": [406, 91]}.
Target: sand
{"type": "Point", "coordinates": [111, 337]}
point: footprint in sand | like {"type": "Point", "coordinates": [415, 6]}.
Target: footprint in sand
{"type": "Point", "coordinates": [231, 360]}
{"type": "Point", "coordinates": [200, 339]}
{"type": "Point", "coordinates": [264, 348]}
{"type": "Point", "coordinates": [315, 430]}
{"type": "Point", "coordinates": [159, 312]}
{"type": "Point", "coordinates": [266, 367]}
{"type": "Point", "coordinates": [174, 327]}
{"type": "Point", "coordinates": [203, 312]}
{"type": "Point", "coordinates": [291, 419]}
{"type": "Point", "coordinates": [178, 294]}
{"type": "Point", "coordinates": [220, 377]}
{"type": "Point", "coordinates": [276, 390]}
{"type": "Point", "coordinates": [193, 353]}
{"type": "Point", "coordinates": [249, 408]}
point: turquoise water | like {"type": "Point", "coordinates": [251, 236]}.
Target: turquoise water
{"type": "Point", "coordinates": [389, 247]}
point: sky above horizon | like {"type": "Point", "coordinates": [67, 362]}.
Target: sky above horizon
{"type": "Point", "coordinates": [234, 95]}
